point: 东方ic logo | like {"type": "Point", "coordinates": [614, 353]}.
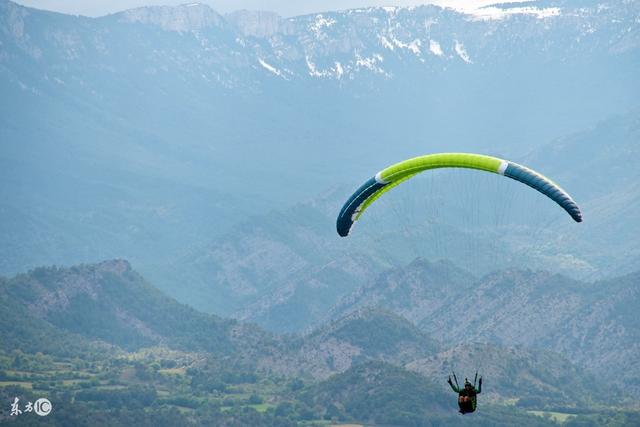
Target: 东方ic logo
{"type": "Point", "coordinates": [42, 407]}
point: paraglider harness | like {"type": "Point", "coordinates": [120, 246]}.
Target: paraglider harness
{"type": "Point", "coordinates": [467, 395]}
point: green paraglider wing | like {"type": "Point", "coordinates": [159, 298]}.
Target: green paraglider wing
{"type": "Point", "coordinates": [396, 174]}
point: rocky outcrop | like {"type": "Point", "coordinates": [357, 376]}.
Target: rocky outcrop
{"type": "Point", "coordinates": [259, 24]}
{"type": "Point", "coordinates": [186, 17]}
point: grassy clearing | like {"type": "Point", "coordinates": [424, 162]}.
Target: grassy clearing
{"type": "Point", "coordinates": [112, 387]}
{"type": "Point", "coordinates": [73, 382]}
{"type": "Point", "coordinates": [262, 407]}
{"type": "Point", "coordinates": [184, 409]}
{"type": "Point", "coordinates": [173, 371]}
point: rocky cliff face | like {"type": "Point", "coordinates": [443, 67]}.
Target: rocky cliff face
{"type": "Point", "coordinates": [184, 18]}
{"type": "Point", "coordinates": [375, 41]}
{"type": "Point", "coordinates": [50, 291]}
{"type": "Point", "coordinates": [259, 24]}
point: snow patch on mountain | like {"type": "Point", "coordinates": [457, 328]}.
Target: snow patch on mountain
{"type": "Point", "coordinates": [386, 43]}
{"type": "Point", "coordinates": [320, 23]}
{"type": "Point", "coordinates": [413, 46]}
{"type": "Point", "coordinates": [339, 70]}
{"type": "Point", "coordinates": [434, 47]}
{"type": "Point", "coordinates": [462, 53]}
{"type": "Point", "coordinates": [371, 63]}
{"type": "Point", "coordinates": [332, 72]}
{"type": "Point", "coordinates": [485, 10]}
{"type": "Point", "coordinates": [497, 13]}
{"type": "Point", "coordinates": [271, 68]}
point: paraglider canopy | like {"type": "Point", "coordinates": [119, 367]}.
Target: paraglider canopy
{"type": "Point", "coordinates": [396, 174]}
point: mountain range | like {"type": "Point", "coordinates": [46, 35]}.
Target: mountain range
{"type": "Point", "coordinates": [151, 133]}
{"type": "Point", "coordinates": [109, 304]}
{"type": "Point", "coordinates": [108, 310]}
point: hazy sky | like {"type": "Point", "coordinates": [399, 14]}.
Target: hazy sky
{"type": "Point", "coordinates": [283, 7]}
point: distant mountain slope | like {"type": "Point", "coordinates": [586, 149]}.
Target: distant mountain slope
{"type": "Point", "coordinates": [381, 394]}
{"type": "Point", "coordinates": [601, 166]}
{"type": "Point", "coordinates": [412, 291]}
{"type": "Point", "coordinates": [145, 133]}
{"type": "Point", "coordinates": [23, 330]}
{"type": "Point", "coordinates": [109, 304]}
{"type": "Point", "coordinates": [592, 324]}
{"type": "Point", "coordinates": [360, 337]}
{"type": "Point", "coordinates": [284, 269]}
{"type": "Point", "coordinates": [533, 377]}
{"type": "Point", "coordinates": [368, 393]}
{"type": "Point", "coordinates": [107, 309]}
{"type": "Point", "coordinates": [288, 270]}
{"type": "Point", "coordinates": [112, 303]}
